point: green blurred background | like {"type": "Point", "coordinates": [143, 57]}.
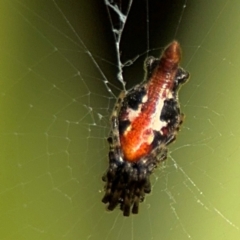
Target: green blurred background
{"type": "Point", "coordinates": [55, 109]}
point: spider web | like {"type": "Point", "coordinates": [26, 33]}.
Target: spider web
{"type": "Point", "coordinates": [63, 63]}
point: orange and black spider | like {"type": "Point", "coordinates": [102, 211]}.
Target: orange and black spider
{"type": "Point", "coordinates": [144, 121]}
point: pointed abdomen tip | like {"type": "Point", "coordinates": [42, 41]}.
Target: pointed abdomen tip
{"type": "Point", "coordinates": [173, 51]}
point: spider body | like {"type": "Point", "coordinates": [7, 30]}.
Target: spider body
{"type": "Point", "coordinates": [144, 121]}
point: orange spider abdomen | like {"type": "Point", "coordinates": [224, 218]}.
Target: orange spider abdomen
{"type": "Point", "coordinates": [137, 139]}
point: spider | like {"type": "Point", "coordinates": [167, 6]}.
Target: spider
{"type": "Point", "coordinates": [144, 121]}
